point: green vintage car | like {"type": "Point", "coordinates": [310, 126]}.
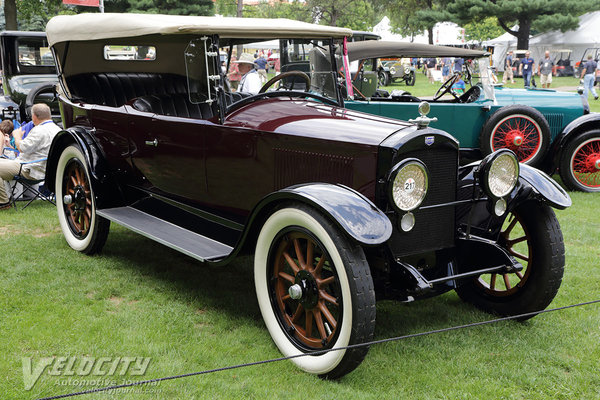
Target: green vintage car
{"type": "Point", "coordinates": [545, 128]}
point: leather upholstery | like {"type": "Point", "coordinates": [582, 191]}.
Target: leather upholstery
{"type": "Point", "coordinates": [177, 105]}
{"type": "Point", "coordinates": [165, 94]}
{"type": "Point", "coordinates": [116, 89]}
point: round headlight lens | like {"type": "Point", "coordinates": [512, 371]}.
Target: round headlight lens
{"type": "Point", "coordinates": [410, 186]}
{"type": "Point", "coordinates": [503, 174]}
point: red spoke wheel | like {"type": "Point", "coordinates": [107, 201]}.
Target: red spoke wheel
{"type": "Point", "coordinates": [314, 290]}
{"type": "Point", "coordinates": [521, 129]}
{"type": "Point", "coordinates": [76, 204]}
{"type": "Point", "coordinates": [580, 162]}
{"type": "Point", "coordinates": [532, 235]}
{"type": "Point", "coordinates": [518, 133]}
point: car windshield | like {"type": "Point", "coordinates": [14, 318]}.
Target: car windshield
{"type": "Point", "coordinates": [34, 52]}
{"type": "Point", "coordinates": [483, 75]}
{"type": "Point", "coordinates": [306, 63]}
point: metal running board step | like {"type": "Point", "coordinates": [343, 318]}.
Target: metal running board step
{"type": "Point", "coordinates": [194, 245]}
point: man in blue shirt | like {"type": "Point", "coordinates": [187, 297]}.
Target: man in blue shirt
{"type": "Point", "coordinates": [588, 74]}
{"type": "Point", "coordinates": [261, 67]}
{"type": "Point", "coordinates": [526, 68]}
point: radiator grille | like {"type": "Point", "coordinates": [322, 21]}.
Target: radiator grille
{"type": "Point", "coordinates": [555, 120]}
{"type": "Point", "coordinates": [434, 228]}
{"type": "Point", "coordinates": [295, 166]}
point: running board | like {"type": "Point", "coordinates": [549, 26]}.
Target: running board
{"type": "Point", "coordinates": [187, 242]}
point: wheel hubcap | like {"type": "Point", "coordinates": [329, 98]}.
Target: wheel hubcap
{"type": "Point", "coordinates": [517, 140]}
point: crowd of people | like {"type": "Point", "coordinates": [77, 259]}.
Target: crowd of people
{"type": "Point", "coordinates": [25, 148]}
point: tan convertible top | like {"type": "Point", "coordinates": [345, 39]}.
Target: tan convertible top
{"type": "Point", "coordinates": [82, 27]}
{"type": "Point", "coordinates": [380, 49]}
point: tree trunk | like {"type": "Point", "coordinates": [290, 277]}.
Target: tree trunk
{"type": "Point", "coordinates": [523, 34]}
{"type": "Point", "coordinates": [240, 9]}
{"type": "Point", "coordinates": [430, 34]}
{"type": "Point", "coordinates": [10, 13]}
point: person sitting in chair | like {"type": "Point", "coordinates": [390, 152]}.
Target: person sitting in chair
{"type": "Point", "coordinates": [34, 147]}
{"type": "Point", "coordinates": [6, 127]}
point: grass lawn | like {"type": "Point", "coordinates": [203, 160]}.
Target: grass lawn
{"type": "Point", "coordinates": [140, 299]}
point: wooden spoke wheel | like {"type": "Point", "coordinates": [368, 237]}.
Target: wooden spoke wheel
{"type": "Point", "coordinates": [83, 230]}
{"type": "Point", "coordinates": [78, 206]}
{"type": "Point", "coordinates": [306, 290]}
{"type": "Point", "coordinates": [517, 241]}
{"type": "Point", "coordinates": [532, 235]}
{"type": "Point", "coordinates": [314, 290]}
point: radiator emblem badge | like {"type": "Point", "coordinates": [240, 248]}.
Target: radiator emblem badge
{"type": "Point", "coordinates": [429, 140]}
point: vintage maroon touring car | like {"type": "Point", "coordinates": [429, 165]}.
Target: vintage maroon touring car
{"type": "Point", "coordinates": [338, 207]}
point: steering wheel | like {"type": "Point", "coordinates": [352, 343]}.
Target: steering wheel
{"type": "Point", "coordinates": [284, 75]}
{"type": "Point", "coordinates": [446, 88]}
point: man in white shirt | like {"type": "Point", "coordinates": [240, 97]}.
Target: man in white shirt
{"type": "Point", "coordinates": [36, 146]}
{"type": "Point", "coordinates": [250, 81]}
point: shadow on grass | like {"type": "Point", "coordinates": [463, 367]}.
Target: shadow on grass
{"type": "Point", "coordinates": [230, 288]}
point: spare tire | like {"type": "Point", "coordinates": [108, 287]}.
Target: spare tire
{"type": "Point", "coordinates": [520, 128]}
{"type": "Point", "coordinates": [49, 87]}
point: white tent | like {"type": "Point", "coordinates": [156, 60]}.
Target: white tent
{"type": "Point", "coordinates": [444, 33]}
{"type": "Point", "coordinates": [585, 36]}
{"type": "Point", "coordinates": [502, 44]}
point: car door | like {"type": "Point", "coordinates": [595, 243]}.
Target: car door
{"type": "Point", "coordinates": [170, 154]}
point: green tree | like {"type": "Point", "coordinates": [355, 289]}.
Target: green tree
{"type": "Point", "coordinates": [226, 8]}
{"type": "Point", "coordinates": [485, 29]}
{"type": "Point", "coordinates": [353, 14]}
{"type": "Point", "coordinates": [413, 17]}
{"type": "Point", "coordinates": [294, 10]}
{"type": "Point", "coordinates": [32, 14]}
{"type": "Point", "coordinates": [539, 15]}
{"type": "Point", "coordinates": [175, 7]}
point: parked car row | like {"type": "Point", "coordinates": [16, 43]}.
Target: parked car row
{"type": "Point", "coordinates": [338, 207]}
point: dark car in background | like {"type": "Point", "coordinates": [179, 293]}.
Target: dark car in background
{"type": "Point", "coordinates": [337, 207]}
{"type": "Point", "coordinates": [28, 74]}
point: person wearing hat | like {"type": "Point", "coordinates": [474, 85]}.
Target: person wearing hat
{"type": "Point", "coordinates": [250, 81]}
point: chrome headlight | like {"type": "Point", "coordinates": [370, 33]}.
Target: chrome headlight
{"type": "Point", "coordinates": [409, 182]}
{"type": "Point", "coordinates": [499, 173]}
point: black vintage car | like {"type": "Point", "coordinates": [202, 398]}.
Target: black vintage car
{"type": "Point", "coordinates": [28, 74]}
{"type": "Point", "coordinates": [338, 207]}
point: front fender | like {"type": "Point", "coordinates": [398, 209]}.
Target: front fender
{"type": "Point", "coordinates": [538, 185]}
{"type": "Point", "coordinates": [352, 212]}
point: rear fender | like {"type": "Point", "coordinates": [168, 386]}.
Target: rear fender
{"type": "Point", "coordinates": [582, 124]}
{"type": "Point", "coordinates": [107, 194]}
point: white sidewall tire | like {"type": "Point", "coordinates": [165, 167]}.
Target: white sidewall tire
{"type": "Point", "coordinates": [281, 219]}
{"type": "Point", "coordinates": [69, 153]}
